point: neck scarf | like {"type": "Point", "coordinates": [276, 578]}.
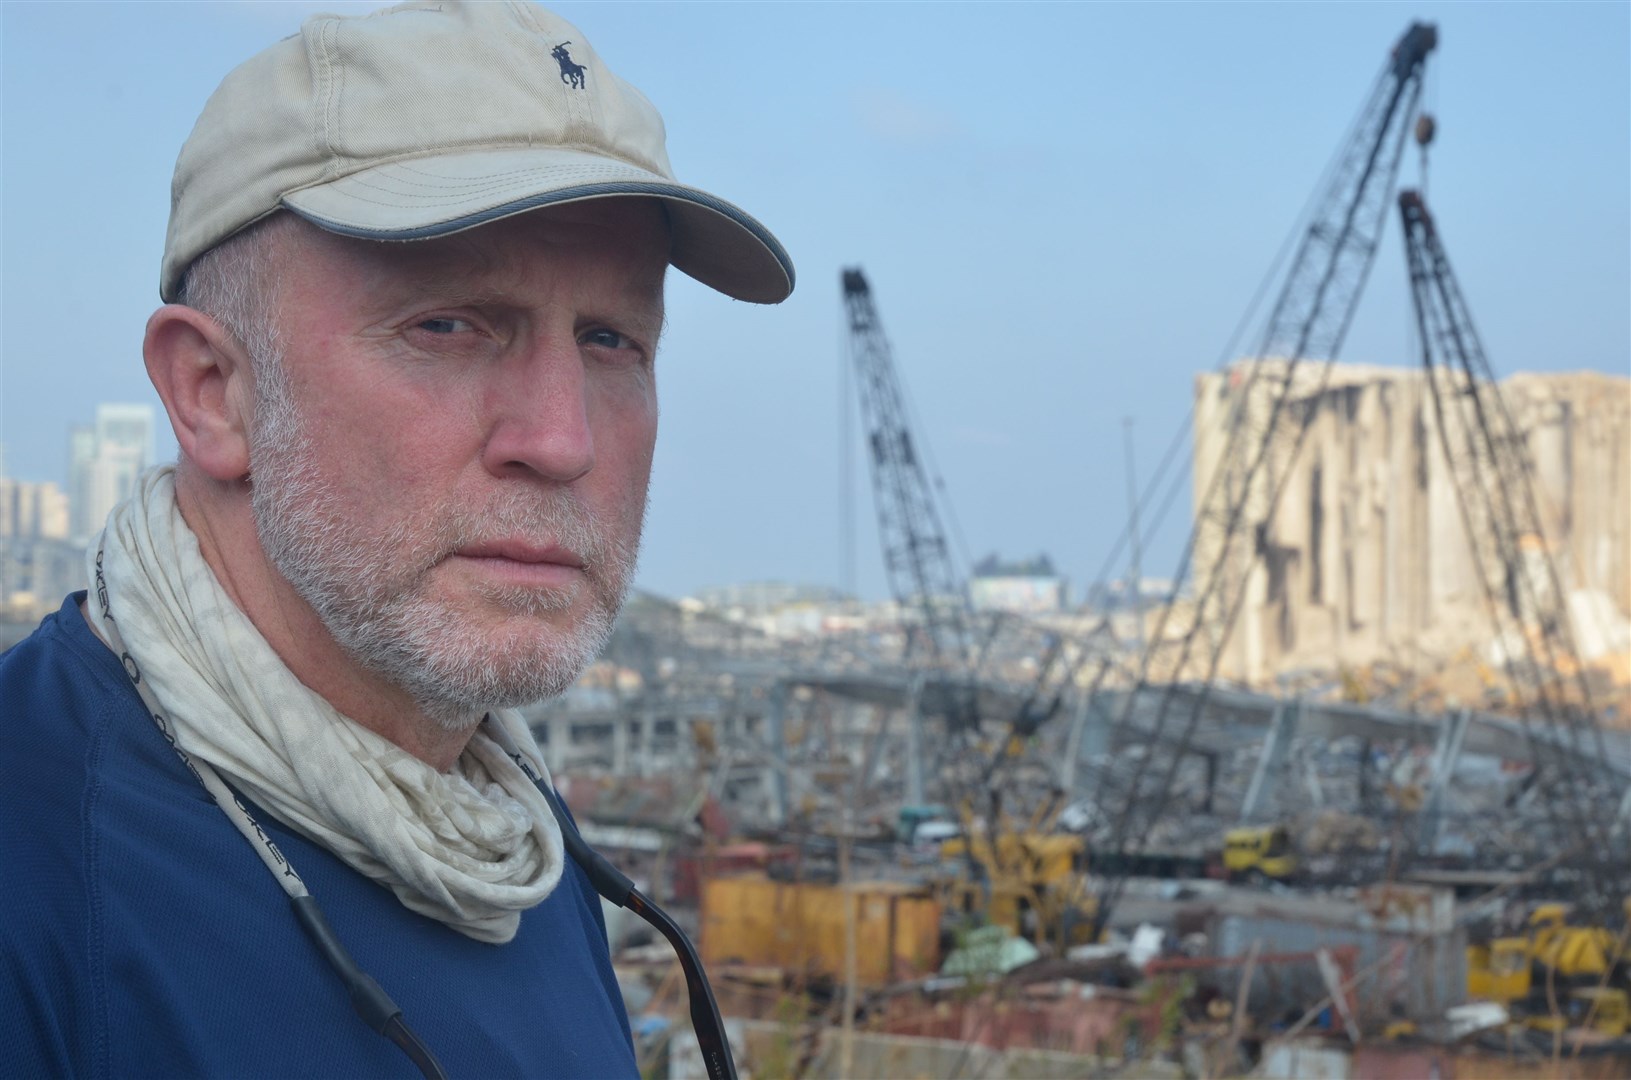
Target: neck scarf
{"type": "Point", "coordinates": [472, 847]}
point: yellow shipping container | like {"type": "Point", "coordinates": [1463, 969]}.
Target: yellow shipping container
{"type": "Point", "coordinates": [799, 926]}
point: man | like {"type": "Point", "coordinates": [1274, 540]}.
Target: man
{"type": "Point", "coordinates": [413, 283]}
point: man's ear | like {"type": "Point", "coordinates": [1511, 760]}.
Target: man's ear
{"type": "Point", "coordinates": [203, 377]}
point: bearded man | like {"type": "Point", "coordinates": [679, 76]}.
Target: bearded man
{"type": "Point", "coordinates": [413, 287]}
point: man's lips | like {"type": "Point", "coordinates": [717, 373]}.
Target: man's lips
{"type": "Point", "coordinates": [523, 564]}
{"type": "Point", "coordinates": [519, 551]}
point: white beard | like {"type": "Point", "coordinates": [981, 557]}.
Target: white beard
{"type": "Point", "coordinates": [369, 586]}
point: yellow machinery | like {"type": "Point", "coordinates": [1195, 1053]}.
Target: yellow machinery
{"type": "Point", "coordinates": [1031, 884]}
{"type": "Point", "coordinates": [1557, 975]}
{"type": "Point", "coordinates": [1499, 971]}
{"type": "Point", "coordinates": [1031, 881]}
{"type": "Point", "coordinates": [1571, 951]}
{"type": "Point", "coordinates": [1605, 1010]}
{"type": "Point", "coordinates": [1263, 851]}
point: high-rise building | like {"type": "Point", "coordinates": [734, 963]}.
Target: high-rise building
{"type": "Point", "coordinates": [104, 462]}
{"type": "Point", "coordinates": [32, 511]}
{"type": "Point", "coordinates": [81, 462]}
{"type": "Point", "coordinates": [38, 565]}
{"type": "Point", "coordinates": [128, 427]}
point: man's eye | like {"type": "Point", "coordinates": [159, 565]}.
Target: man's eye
{"type": "Point", "coordinates": [444, 326]}
{"type": "Point", "coordinates": [606, 339]}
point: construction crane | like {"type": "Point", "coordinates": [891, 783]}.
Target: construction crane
{"type": "Point", "coordinates": [1488, 462]}
{"type": "Point", "coordinates": [1265, 432]}
{"type": "Point", "coordinates": [917, 557]}
{"type": "Point", "coordinates": [947, 652]}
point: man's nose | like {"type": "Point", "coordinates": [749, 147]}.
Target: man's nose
{"type": "Point", "coordinates": [539, 406]}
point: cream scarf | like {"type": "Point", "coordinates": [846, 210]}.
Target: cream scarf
{"type": "Point", "coordinates": [472, 847]}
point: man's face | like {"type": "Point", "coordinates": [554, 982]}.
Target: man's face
{"type": "Point", "coordinates": [451, 469]}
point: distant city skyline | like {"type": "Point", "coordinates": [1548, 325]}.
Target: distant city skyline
{"type": "Point", "coordinates": [46, 524]}
{"type": "Point", "coordinates": [1063, 209]}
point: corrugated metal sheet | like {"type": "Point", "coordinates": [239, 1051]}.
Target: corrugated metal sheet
{"type": "Point", "coordinates": [1401, 973]}
{"type": "Point", "coordinates": [1302, 1061]}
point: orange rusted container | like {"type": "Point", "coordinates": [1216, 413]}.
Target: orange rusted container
{"type": "Point", "coordinates": [799, 926]}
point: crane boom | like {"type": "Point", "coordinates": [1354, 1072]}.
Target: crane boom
{"type": "Point", "coordinates": [1265, 433]}
{"type": "Point", "coordinates": [1487, 459]}
{"type": "Point", "coordinates": [917, 557]}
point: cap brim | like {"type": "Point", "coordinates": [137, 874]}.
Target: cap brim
{"type": "Point", "coordinates": [714, 241]}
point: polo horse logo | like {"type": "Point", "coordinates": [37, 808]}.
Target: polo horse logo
{"type": "Point", "coordinates": [571, 73]}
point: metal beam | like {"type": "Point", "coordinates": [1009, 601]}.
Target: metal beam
{"type": "Point", "coordinates": [1282, 728]}
{"type": "Point", "coordinates": [914, 743]}
{"type": "Point", "coordinates": [1487, 733]}
{"type": "Point", "coordinates": [776, 768]}
{"type": "Point", "coordinates": [1451, 736]}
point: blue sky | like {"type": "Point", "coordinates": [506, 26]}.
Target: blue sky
{"type": "Point", "coordinates": [1064, 210]}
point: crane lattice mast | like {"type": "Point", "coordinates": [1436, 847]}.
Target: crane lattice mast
{"type": "Point", "coordinates": [1265, 432]}
{"type": "Point", "coordinates": [1488, 462]}
{"type": "Point", "coordinates": [917, 557]}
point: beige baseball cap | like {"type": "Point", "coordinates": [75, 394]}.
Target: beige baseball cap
{"type": "Point", "coordinates": [428, 118]}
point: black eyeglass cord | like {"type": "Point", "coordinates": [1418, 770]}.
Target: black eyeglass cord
{"type": "Point", "coordinates": [370, 1000]}
{"type": "Point", "coordinates": [382, 1014]}
{"type": "Point", "coordinates": [616, 887]}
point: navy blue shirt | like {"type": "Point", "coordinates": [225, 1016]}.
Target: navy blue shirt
{"type": "Point", "coordinates": [140, 935]}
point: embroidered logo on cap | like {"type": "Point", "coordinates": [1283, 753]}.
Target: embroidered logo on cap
{"type": "Point", "coordinates": [571, 73]}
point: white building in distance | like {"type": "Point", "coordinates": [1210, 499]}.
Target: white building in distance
{"type": "Point", "coordinates": [38, 565]}
{"type": "Point", "coordinates": [1027, 587]}
{"type": "Point", "coordinates": [104, 462]}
